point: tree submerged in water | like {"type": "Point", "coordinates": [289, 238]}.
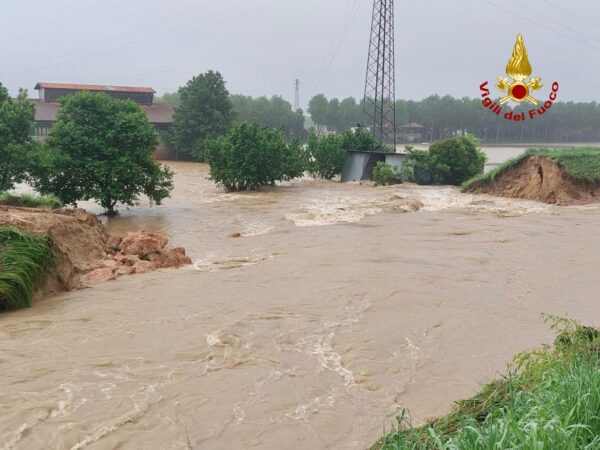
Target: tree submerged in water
{"type": "Point", "coordinates": [251, 156]}
{"type": "Point", "coordinates": [101, 148]}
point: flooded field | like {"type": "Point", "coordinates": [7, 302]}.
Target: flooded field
{"type": "Point", "coordinates": [335, 308]}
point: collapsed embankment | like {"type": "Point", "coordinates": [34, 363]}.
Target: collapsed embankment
{"type": "Point", "coordinates": [540, 178]}
{"type": "Point", "coordinates": [85, 252]}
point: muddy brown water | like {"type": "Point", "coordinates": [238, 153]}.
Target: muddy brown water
{"type": "Point", "coordinates": [330, 314]}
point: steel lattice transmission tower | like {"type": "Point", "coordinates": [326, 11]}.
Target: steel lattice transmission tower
{"type": "Point", "coordinates": [379, 111]}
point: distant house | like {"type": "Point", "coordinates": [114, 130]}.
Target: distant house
{"type": "Point", "coordinates": [46, 107]}
{"type": "Point", "coordinates": [412, 132]}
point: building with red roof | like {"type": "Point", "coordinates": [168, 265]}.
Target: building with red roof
{"type": "Point", "coordinates": [47, 106]}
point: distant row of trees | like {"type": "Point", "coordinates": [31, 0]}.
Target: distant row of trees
{"type": "Point", "coordinates": [443, 117]}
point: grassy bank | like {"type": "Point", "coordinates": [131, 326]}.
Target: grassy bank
{"type": "Point", "coordinates": [583, 164]}
{"type": "Point", "coordinates": [550, 400]}
{"type": "Point", "coordinates": [24, 260]}
{"type": "Point", "coordinates": [30, 201]}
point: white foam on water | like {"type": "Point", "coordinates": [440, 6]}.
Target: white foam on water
{"type": "Point", "coordinates": [320, 212]}
{"type": "Point", "coordinates": [226, 263]}
{"type": "Point", "coordinates": [441, 198]}
{"type": "Point", "coordinates": [257, 229]}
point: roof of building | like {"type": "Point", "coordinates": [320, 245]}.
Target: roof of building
{"type": "Point", "coordinates": [157, 113]}
{"type": "Point", "coordinates": [368, 152]}
{"type": "Point", "coordinates": [94, 87]}
{"type": "Point", "coordinates": [412, 125]}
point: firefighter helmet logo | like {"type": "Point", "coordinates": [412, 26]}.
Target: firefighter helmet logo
{"type": "Point", "coordinates": [519, 71]}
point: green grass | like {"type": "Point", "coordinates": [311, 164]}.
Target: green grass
{"type": "Point", "coordinates": [30, 201]}
{"type": "Point", "coordinates": [583, 164]}
{"type": "Point", "coordinates": [24, 261]}
{"type": "Point", "coordinates": [549, 400]}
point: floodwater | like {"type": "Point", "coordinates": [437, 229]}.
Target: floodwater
{"type": "Point", "coordinates": [332, 312]}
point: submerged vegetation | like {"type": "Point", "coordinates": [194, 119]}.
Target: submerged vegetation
{"type": "Point", "coordinates": [583, 164]}
{"type": "Point", "coordinates": [327, 153]}
{"type": "Point", "coordinates": [30, 201]}
{"type": "Point", "coordinates": [251, 156]}
{"type": "Point", "coordinates": [451, 161]}
{"type": "Point", "coordinates": [549, 400]}
{"type": "Point", "coordinates": [100, 148]}
{"type": "Point", "coordinates": [383, 174]}
{"type": "Point", "coordinates": [24, 260]}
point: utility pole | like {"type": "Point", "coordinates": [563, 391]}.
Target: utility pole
{"type": "Point", "coordinates": [379, 112]}
{"type": "Point", "coordinates": [296, 94]}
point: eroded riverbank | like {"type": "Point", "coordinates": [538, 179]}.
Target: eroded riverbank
{"type": "Point", "coordinates": [331, 312]}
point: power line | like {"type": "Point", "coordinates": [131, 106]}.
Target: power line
{"type": "Point", "coordinates": [344, 34]}
{"type": "Point", "coordinates": [340, 29]}
{"type": "Point", "coordinates": [166, 36]}
{"type": "Point", "coordinates": [568, 11]}
{"type": "Point", "coordinates": [549, 19]}
{"type": "Point", "coordinates": [134, 31]}
{"type": "Point", "coordinates": [508, 11]}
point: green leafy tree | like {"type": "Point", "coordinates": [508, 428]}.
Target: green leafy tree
{"type": "Point", "coordinates": [204, 113]}
{"type": "Point", "coordinates": [417, 167]}
{"type": "Point", "coordinates": [455, 160]}
{"type": "Point", "coordinates": [16, 144]}
{"type": "Point", "coordinates": [363, 140]}
{"type": "Point", "coordinates": [350, 112]}
{"type": "Point", "coordinates": [327, 155]}
{"type": "Point", "coordinates": [274, 112]}
{"type": "Point", "coordinates": [171, 98]}
{"type": "Point", "coordinates": [318, 108]}
{"type": "Point", "coordinates": [251, 156]}
{"type": "Point", "coordinates": [101, 148]}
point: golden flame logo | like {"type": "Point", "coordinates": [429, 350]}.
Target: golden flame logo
{"type": "Point", "coordinates": [518, 67]}
{"type": "Point", "coordinates": [519, 70]}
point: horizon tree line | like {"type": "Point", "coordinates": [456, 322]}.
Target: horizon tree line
{"type": "Point", "coordinates": [441, 116]}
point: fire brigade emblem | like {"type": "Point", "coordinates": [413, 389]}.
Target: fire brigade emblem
{"type": "Point", "coordinates": [520, 86]}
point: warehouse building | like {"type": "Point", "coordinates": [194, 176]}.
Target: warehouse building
{"type": "Point", "coordinates": [47, 107]}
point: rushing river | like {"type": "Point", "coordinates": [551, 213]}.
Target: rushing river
{"type": "Point", "coordinates": [331, 312]}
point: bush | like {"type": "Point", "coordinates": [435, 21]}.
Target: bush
{"type": "Point", "coordinates": [452, 161]}
{"type": "Point", "coordinates": [417, 167]}
{"type": "Point", "coordinates": [250, 156]}
{"type": "Point", "coordinates": [328, 153]}
{"type": "Point", "coordinates": [30, 201]}
{"type": "Point", "coordinates": [327, 156]}
{"type": "Point", "coordinates": [363, 140]}
{"type": "Point", "coordinates": [383, 174]}
{"type": "Point", "coordinates": [24, 260]}
{"type": "Point", "coordinates": [101, 148]}
{"type": "Point", "coordinates": [455, 160]}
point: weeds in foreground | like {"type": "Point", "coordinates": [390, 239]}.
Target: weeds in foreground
{"type": "Point", "coordinates": [30, 201]}
{"type": "Point", "coordinates": [549, 400]}
{"type": "Point", "coordinates": [24, 260]}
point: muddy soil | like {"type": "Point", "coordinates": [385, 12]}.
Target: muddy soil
{"type": "Point", "coordinates": [540, 179]}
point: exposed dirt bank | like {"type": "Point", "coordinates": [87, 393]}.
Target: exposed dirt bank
{"type": "Point", "coordinates": [541, 179]}
{"type": "Point", "coordinates": [86, 252]}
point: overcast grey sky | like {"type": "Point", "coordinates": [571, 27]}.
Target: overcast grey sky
{"type": "Point", "coordinates": [260, 46]}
